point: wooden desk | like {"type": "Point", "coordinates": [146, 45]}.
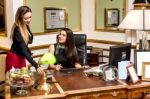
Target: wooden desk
{"type": "Point", "coordinates": [77, 85]}
{"type": "Point", "coordinates": [137, 90]}
{"type": "Point", "coordinates": [73, 84]}
{"type": "Point", "coordinates": [33, 93]}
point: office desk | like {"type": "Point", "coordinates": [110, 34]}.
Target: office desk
{"type": "Point", "coordinates": [76, 84]}
{"type": "Point", "coordinates": [73, 84]}
{"type": "Point", "coordinates": [137, 90]}
{"type": "Point", "coordinates": [33, 93]}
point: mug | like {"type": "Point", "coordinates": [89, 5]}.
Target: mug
{"type": "Point", "coordinates": [110, 73]}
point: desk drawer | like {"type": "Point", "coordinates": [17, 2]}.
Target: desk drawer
{"type": "Point", "coordinates": [113, 94]}
{"type": "Point", "coordinates": [138, 92]}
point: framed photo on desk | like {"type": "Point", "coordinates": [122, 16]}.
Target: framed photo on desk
{"type": "Point", "coordinates": [140, 57]}
{"type": "Point", "coordinates": [145, 71]}
{"type": "Point", "coordinates": [133, 74]}
{"type": "Point", "coordinates": [54, 19]}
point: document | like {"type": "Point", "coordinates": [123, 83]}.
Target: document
{"type": "Point", "coordinates": [122, 70]}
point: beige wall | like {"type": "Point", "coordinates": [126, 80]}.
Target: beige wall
{"type": "Point", "coordinates": [72, 18]}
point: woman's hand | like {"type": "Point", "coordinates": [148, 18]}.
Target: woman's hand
{"type": "Point", "coordinates": [58, 66]}
{"type": "Point", "coordinates": [40, 70]}
{"type": "Point", "coordinates": [86, 66]}
{"type": "Point", "coordinates": [77, 65]}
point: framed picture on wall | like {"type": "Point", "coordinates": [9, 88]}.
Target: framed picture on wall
{"type": "Point", "coordinates": [54, 19]}
{"type": "Point", "coordinates": [111, 17]}
{"type": "Point", "coordinates": [2, 17]}
{"type": "Point", "coordinates": [145, 71]}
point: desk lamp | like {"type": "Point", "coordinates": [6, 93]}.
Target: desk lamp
{"type": "Point", "coordinates": [138, 20]}
{"type": "Point", "coordinates": [46, 59]}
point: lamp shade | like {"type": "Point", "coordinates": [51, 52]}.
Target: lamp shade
{"type": "Point", "coordinates": [136, 20]}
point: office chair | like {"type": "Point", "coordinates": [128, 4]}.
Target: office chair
{"type": "Point", "coordinates": [2, 71]}
{"type": "Point", "coordinates": [80, 42]}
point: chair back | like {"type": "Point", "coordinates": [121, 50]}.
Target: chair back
{"type": "Point", "coordinates": [80, 42]}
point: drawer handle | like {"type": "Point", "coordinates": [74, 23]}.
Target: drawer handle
{"type": "Point", "coordinates": [114, 93]}
{"type": "Point", "coordinates": [76, 97]}
{"type": "Point", "coordinates": [146, 91]}
{"type": "Point", "coordinates": [96, 95]}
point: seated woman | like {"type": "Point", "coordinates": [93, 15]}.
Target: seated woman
{"type": "Point", "coordinates": [65, 51]}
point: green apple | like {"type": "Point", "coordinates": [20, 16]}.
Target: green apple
{"type": "Point", "coordinates": [24, 70]}
{"type": "Point", "coordinates": [13, 75]}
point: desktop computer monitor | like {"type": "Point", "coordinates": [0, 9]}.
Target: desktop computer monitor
{"type": "Point", "coordinates": [119, 53]}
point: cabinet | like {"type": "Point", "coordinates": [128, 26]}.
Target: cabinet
{"type": "Point", "coordinates": [94, 57]}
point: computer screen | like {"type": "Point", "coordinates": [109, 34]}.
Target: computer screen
{"type": "Point", "coordinates": [119, 53]}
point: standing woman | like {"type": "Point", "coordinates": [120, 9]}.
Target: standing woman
{"type": "Point", "coordinates": [65, 50]}
{"type": "Point", "coordinates": [21, 36]}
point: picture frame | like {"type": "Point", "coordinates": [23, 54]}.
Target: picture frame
{"type": "Point", "coordinates": [141, 56]}
{"type": "Point", "coordinates": [54, 19]}
{"type": "Point", "coordinates": [111, 17]}
{"type": "Point", "coordinates": [2, 18]}
{"type": "Point", "coordinates": [132, 73]}
{"type": "Point", "coordinates": [145, 71]}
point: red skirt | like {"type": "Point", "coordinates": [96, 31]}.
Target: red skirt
{"type": "Point", "coordinates": [14, 60]}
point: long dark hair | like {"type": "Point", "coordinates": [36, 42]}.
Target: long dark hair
{"type": "Point", "coordinates": [70, 48]}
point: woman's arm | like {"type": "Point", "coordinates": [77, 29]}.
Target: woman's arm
{"type": "Point", "coordinates": [51, 49]}
{"type": "Point", "coordinates": [25, 50]}
{"type": "Point", "coordinates": [77, 62]}
{"type": "Point", "coordinates": [77, 65]}
{"type": "Point", "coordinates": [58, 66]}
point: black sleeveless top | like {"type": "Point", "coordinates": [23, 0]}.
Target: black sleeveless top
{"type": "Point", "coordinates": [60, 57]}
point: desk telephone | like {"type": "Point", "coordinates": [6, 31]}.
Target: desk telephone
{"type": "Point", "coordinates": [104, 70]}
